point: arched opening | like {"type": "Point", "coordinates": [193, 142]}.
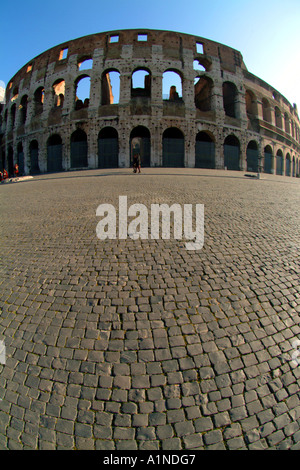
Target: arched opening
{"type": "Point", "coordinates": [230, 97]}
{"type": "Point", "coordinates": [294, 170]}
{"type": "Point", "coordinates": [278, 117]}
{"type": "Point", "coordinates": [54, 153]}
{"type": "Point", "coordinates": [205, 151]}
{"type": "Point", "coordinates": [79, 149]}
{"type": "Point", "coordinates": [172, 86]}
{"type": "Point", "coordinates": [141, 83]}
{"type": "Point", "coordinates": [140, 144]}
{"type": "Point", "coordinates": [108, 148]}
{"type": "Point", "coordinates": [20, 158]}
{"type": "Point", "coordinates": [13, 115]}
{"type": "Point", "coordinates": [232, 153]}
{"type": "Point", "coordinates": [34, 157]}
{"type": "Point", "coordinates": [10, 162]}
{"type": "Point", "coordinates": [82, 92]}
{"type": "Point", "coordinates": [288, 165]}
{"type": "Point", "coordinates": [110, 87]}
{"type": "Point", "coordinates": [203, 91]}
{"type": "Point", "coordinates": [252, 156]}
{"type": "Point", "coordinates": [173, 148]}
{"type": "Point", "coordinates": [287, 124]}
{"type": "Point", "coordinates": [59, 93]}
{"type": "Point", "coordinates": [23, 109]}
{"type": "Point", "coordinates": [39, 101]}
{"type": "Point", "coordinates": [279, 163]}
{"type": "Point", "coordinates": [266, 110]}
{"type": "Point", "coordinates": [251, 104]}
{"type": "Point", "coordinates": [268, 160]}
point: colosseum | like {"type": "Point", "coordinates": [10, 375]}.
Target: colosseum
{"type": "Point", "coordinates": [177, 99]}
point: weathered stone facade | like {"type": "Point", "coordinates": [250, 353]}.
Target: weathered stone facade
{"type": "Point", "coordinates": [223, 116]}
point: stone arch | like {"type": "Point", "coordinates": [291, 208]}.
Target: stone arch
{"type": "Point", "coordinates": [23, 109]}
{"type": "Point", "coordinates": [266, 110]}
{"type": "Point", "coordinates": [204, 150]}
{"type": "Point", "coordinates": [203, 92]}
{"type": "Point", "coordinates": [251, 104]}
{"type": "Point", "coordinates": [58, 88]}
{"type": "Point", "coordinates": [108, 148]}
{"type": "Point", "coordinates": [110, 87]}
{"type": "Point", "coordinates": [279, 162]}
{"type": "Point", "coordinates": [20, 158]}
{"type": "Point", "coordinates": [232, 153]}
{"type": "Point", "coordinates": [252, 156]}
{"type": "Point", "coordinates": [140, 142]}
{"type": "Point", "coordinates": [173, 147]}
{"type": "Point", "coordinates": [141, 83]}
{"type": "Point", "coordinates": [10, 161]}
{"type": "Point", "coordinates": [268, 160]}
{"type": "Point", "coordinates": [34, 157]}
{"type": "Point", "coordinates": [54, 153]}
{"type": "Point", "coordinates": [38, 99]}
{"type": "Point", "coordinates": [79, 149]}
{"type": "Point", "coordinates": [172, 84]}
{"type": "Point", "coordinates": [288, 166]}
{"type": "Point", "coordinates": [230, 98]}
{"type": "Point", "coordinates": [82, 91]}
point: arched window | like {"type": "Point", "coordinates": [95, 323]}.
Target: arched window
{"type": "Point", "coordinates": [232, 153]}
{"type": "Point", "coordinates": [39, 100]}
{"type": "Point", "coordinates": [278, 117]}
{"type": "Point", "coordinates": [110, 86]}
{"type": "Point", "coordinates": [203, 91]}
{"type": "Point", "coordinates": [252, 156]}
{"type": "Point", "coordinates": [108, 148]}
{"type": "Point", "coordinates": [13, 114]}
{"type": "Point", "coordinates": [251, 105]}
{"type": "Point", "coordinates": [173, 148]}
{"type": "Point", "coordinates": [23, 109]}
{"type": "Point", "coordinates": [59, 92]}
{"type": "Point", "coordinates": [54, 153]}
{"type": "Point", "coordinates": [266, 110]}
{"type": "Point", "coordinates": [172, 86]}
{"type": "Point", "coordinates": [140, 143]}
{"type": "Point", "coordinates": [141, 83]}
{"type": "Point", "coordinates": [79, 149]}
{"type": "Point", "coordinates": [230, 97]}
{"type": "Point", "coordinates": [287, 123]}
{"type": "Point", "coordinates": [204, 151]}
{"type": "Point", "coordinates": [82, 92]}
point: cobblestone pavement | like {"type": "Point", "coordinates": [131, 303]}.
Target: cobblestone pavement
{"type": "Point", "coordinates": [143, 344]}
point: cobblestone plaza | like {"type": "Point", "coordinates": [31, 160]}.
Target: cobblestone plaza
{"type": "Point", "coordinates": [141, 344]}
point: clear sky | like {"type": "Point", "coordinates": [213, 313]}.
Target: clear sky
{"type": "Point", "coordinates": [266, 32]}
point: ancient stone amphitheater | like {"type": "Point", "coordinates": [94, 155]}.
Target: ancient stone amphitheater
{"type": "Point", "coordinates": [177, 99]}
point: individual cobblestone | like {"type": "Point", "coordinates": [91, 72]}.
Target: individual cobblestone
{"type": "Point", "coordinates": [143, 345]}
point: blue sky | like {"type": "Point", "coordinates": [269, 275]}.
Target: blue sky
{"type": "Point", "coordinates": [266, 32]}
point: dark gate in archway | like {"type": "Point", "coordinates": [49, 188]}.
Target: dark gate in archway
{"type": "Point", "coordinates": [173, 148]}
{"type": "Point", "coordinates": [34, 158]}
{"type": "Point", "coordinates": [54, 153]}
{"type": "Point", "coordinates": [79, 149]}
{"type": "Point", "coordinates": [140, 143]}
{"type": "Point", "coordinates": [204, 151]}
{"type": "Point", "coordinates": [252, 157]}
{"type": "Point", "coordinates": [108, 148]}
{"type": "Point", "coordinates": [232, 153]}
